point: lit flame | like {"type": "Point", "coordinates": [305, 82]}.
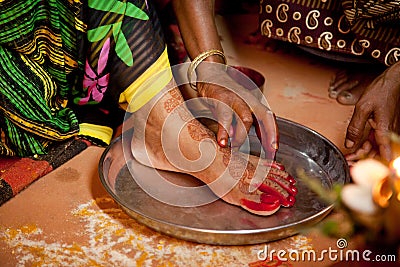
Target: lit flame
{"type": "Point", "coordinates": [383, 189]}
{"type": "Point", "coordinates": [382, 192]}
{"type": "Point", "coordinates": [396, 166]}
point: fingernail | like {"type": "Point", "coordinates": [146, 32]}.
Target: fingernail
{"type": "Point", "coordinates": [349, 143]}
{"type": "Point", "coordinates": [274, 145]}
{"type": "Point", "coordinates": [333, 94]}
{"type": "Point", "coordinates": [222, 142]}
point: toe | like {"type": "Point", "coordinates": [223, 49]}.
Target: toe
{"type": "Point", "coordinates": [260, 208]}
{"type": "Point", "coordinates": [350, 97]}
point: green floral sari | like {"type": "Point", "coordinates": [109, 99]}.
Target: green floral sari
{"type": "Point", "coordinates": [64, 65]}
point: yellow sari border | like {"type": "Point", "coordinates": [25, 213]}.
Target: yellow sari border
{"type": "Point", "coordinates": [149, 84]}
{"type": "Point", "coordinates": [102, 133]}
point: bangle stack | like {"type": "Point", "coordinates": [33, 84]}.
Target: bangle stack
{"type": "Point", "coordinates": [195, 63]}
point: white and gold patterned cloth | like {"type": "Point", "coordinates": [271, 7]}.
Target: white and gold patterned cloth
{"type": "Point", "coordinates": [357, 27]}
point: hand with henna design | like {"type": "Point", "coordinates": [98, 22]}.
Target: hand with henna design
{"type": "Point", "coordinates": [236, 109]}
{"type": "Point", "coordinates": [199, 34]}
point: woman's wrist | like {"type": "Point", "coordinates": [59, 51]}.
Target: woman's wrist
{"type": "Point", "coordinates": [216, 58]}
{"type": "Point", "coordinates": [202, 62]}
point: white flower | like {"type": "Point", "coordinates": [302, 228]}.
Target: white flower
{"type": "Point", "coordinates": [366, 174]}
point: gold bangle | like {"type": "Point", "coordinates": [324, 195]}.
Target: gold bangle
{"type": "Point", "coordinates": [195, 63]}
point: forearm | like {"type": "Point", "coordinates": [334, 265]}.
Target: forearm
{"type": "Point", "coordinates": [197, 25]}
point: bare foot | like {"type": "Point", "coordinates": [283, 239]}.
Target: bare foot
{"type": "Point", "coordinates": [348, 85]}
{"type": "Point", "coordinates": [168, 137]}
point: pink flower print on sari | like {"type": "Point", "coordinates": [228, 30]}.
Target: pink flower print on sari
{"type": "Point", "coordinates": [95, 84]}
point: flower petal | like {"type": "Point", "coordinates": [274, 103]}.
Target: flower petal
{"type": "Point", "coordinates": [358, 199]}
{"type": "Point", "coordinates": [367, 172]}
{"type": "Point", "coordinates": [88, 71]}
{"type": "Point", "coordinates": [103, 81]}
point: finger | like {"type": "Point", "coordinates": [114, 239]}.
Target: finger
{"type": "Point", "coordinates": [267, 132]}
{"type": "Point", "coordinates": [224, 117]}
{"type": "Point", "coordinates": [244, 122]}
{"type": "Point", "coordinates": [361, 152]}
{"type": "Point", "coordinates": [355, 129]}
{"type": "Point", "coordinates": [382, 138]}
{"type": "Point", "coordinates": [351, 163]}
{"type": "Point", "coordinates": [373, 154]}
{"type": "Point", "coordinates": [381, 135]}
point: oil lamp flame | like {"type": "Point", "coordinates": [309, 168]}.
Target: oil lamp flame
{"type": "Point", "coordinates": [396, 166]}
{"type": "Point", "coordinates": [383, 189]}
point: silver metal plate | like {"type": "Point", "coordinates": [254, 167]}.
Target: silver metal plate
{"type": "Point", "coordinates": [221, 223]}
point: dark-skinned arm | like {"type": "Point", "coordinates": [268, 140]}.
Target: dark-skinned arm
{"type": "Point", "coordinates": [196, 19]}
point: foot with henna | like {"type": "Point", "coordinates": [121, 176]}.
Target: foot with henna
{"type": "Point", "coordinates": [168, 137]}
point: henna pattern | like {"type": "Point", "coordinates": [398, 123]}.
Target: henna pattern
{"type": "Point", "coordinates": [198, 132]}
{"type": "Point", "coordinates": [244, 184]}
{"type": "Point", "coordinates": [236, 163]}
{"type": "Point", "coordinates": [175, 103]}
{"type": "Point", "coordinates": [239, 168]}
{"type": "Point", "coordinates": [277, 182]}
{"type": "Point", "coordinates": [280, 173]}
{"type": "Point", "coordinates": [226, 152]}
{"type": "Point", "coordinates": [170, 105]}
{"type": "Point", "coordinates": [278, 187]}
{"type": "Point", "coordinates": [275, 186]}
{"type": "Point", "coordinates": [176, 95]}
